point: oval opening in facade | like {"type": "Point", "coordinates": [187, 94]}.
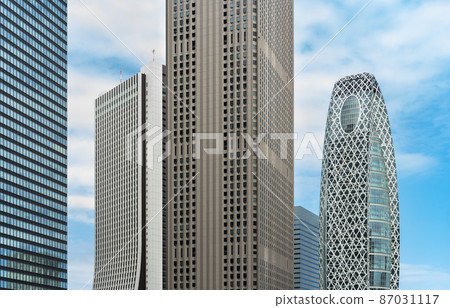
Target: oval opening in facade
{"type": "Point", "coordinates": [350, 114]}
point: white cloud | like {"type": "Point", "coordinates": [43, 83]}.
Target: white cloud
{"type": "Point", "coordinates": [82, 161]}
{"type": "Point", "coordinates": [312, 96]}
{"type": "Point", "coordinates": [80, 176]}
{"type": "Point", "coordinates": [82, 216]}
{"type": "Point", "coordinates": [82, 148]}
{"type": "Point", "coordinates": [83, 89]}
{"type": "Point", "coordinates": [81, 202]}
{"type": "Point", "coordinates": [140, 25]}
{"type": "Point", "coordinates": [423, 277]}
{"type": "Point", "coordinates": [409, 164]}
{"type": "Point", "coordinates": [403, 49]}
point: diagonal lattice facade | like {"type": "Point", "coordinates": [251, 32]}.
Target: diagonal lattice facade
{"type": "Point", "coordinates": [359, 208]}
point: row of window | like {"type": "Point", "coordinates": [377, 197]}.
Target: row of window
{"type": "Point", "coordinates": [38, 63]}
{"type": "Point", "coordinates": [379, 196]}
{"type": "Point", "coordinates": [32, 176]}
{"type": "Point", "coordinates": [379, 245]}
{"type": "Point", "coordinates": [32, 217]}
{"type": "Point", "coordinates": [30, 237]}
{"type": "Point", "coordinates": [43, 66]}
{"type": "Point", "coordinates": [377, 228]}
{"type": "Point", "coordinates": [182, 14]}
{"type": "Point", "coordinates": [13, 66]}
{"type": "Point", "coordinates": [34, 38]}
{"type": "Point", "coordinates": [378, 180]}
{"type": "Point", "coordinates": [32, 279]}
{"type": "Point", "coordinates": [33, 109]}
{"type": "Point", "coordinates": [380, 212]}
{"type": "Point", "coordinates": [238, 3]}
{"type": "Point", "coordinates": [35, 91]}
{"type": "Point", "coordinates": [30, 196]}
{"type": "Point", "coordinates": [47, 171]}
{"type": "Point", "coordinates": [35, 208]}
{"type": "Point", "coordinates": [32, 135]}
{"type": "Point", "coordinates": [35, 188]}
{"type": "Point", "coordinates": [118, 94]}
{"type": "Point", "coordinates": [33, 228]}
{"type": "Point", "coordinates": [33, 258]}
{"type": "Point", "coordinates": [32, 269]}
{"type": "Point", "coordinates": [44, 15]}
{"type": "Point", "coordinates": [379, 279]}
{"type": "Point", "coordinates": [36, 29]}
{"type": "Point", "coordinates": [32, 145]}
{"type": "Point", "coordinates": [34, 125]}
{"type": "Point", "coordinates": [175, 8]}
{"type": "Point", "coordinates": [29, 46]}
{"type": "Point", "coordinates": [33, 248]}
{"type": "Point", "coordinates": [60, 9]}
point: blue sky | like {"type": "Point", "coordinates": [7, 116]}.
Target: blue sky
{"type": "Point", "coordinates": [405, 44]}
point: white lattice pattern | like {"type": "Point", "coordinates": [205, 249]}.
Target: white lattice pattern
{"type": "Point", "coordinates": [344, 201]}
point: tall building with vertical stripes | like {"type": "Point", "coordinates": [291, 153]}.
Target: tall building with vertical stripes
{"type": "Point", "coordinates": [359, 207]}
{"type": "Point", "coordinates": [33, 144]}
{"type": "Point", "coordinates": [306, 249]}
{"type": "Point", "coordinates": [129, 183]}
{"type": "Point", "coordinates": [229, 215]}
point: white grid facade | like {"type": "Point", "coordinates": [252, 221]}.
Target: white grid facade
{"type": "Point", "coordinates": [129, 193]}
{"type": "Point", "coordinates": [118, 195]}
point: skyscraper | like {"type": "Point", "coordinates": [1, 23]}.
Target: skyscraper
{"type": "Point", "coordinates": [129, 183]}
{"type": "Point", "coordinates": [33, 144]}
{"type": "Point", "coordinates": [229, 67]}
{"type": "Point", "coordinates": [359, 212]}
{"type": "Point", "coordinates": [306, 249]}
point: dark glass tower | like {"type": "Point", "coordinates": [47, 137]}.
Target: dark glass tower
{"type": "Point", "coordinates": [33, 144]}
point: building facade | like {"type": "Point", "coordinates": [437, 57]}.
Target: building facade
{"type": "Point", "coordinates": [359, 208]}
{"type": "Point", "coordinates": [229, 67]}
{"type": "Point", "coordinates": [129, 184]}
{"type": "Point", "coordinates": [33, 145]}
{"type": "Point", "coordinates": [306, 249]}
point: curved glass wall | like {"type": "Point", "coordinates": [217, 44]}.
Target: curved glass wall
{"type": "Point", "coordinates": [379, 220]}
{"type": "Point", "coordinates": [350, 114]}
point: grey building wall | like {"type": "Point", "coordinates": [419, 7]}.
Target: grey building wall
{"type": "Point", "coordinates": [33, 145]}
{"type": "Point", "coordinates": [229, 219]}
{"type": "Point", "coordinates": [359, 209]}
{"type": "Point", "coordinates": [306, 249]}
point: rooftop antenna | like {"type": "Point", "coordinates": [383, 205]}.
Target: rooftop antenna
{"type": "Point", "coordinates": [121, 77]}
{"type": "Point", "coordinates": [153, 55]}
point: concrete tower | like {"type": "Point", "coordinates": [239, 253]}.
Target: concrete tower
{"type": "Point", "coordinates": [229, 67]}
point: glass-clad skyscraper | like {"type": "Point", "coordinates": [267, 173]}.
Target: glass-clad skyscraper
{"type": "Point", "coordinates": [359, 209]}
{"type": "Point", "coordinates": [33, 148]}
{"type": "Point", "coordinates": [306, 249]}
